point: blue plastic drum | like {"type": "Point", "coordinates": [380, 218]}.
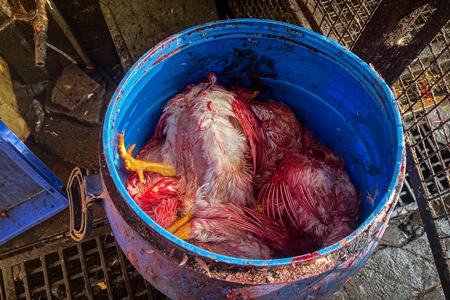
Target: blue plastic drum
{"type": "Point", "coordinates": [335, 94]}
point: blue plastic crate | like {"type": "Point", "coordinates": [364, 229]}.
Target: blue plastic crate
{"type": "Point", "coordinates": [29, 192]}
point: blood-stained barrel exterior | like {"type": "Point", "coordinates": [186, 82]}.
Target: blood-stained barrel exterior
{"type": "Point", "coordinates": [332, 92]}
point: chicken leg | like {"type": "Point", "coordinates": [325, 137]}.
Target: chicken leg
{"type": "Point", "coordinates": [181, 227]}
{"type": "Point", "coordinates": [140, 166]}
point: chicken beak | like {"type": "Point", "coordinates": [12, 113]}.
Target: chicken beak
{"type": "Point", "coordinates": [141, 166]}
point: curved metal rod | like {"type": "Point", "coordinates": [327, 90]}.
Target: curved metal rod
{"type": "Point", "coordinates": [62, 53]}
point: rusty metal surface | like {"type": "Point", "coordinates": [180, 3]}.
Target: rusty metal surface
{"type": "Point", "coordinates": [341, 21]}
{"type": "Point", "coordinates": [382, 45]}
{"type": "Point", "coordinates": [119, 42]}
{"type": "Point", "coordinates": [80, 18]}
{"type": "Point", "coordinates": [432, 228]}
{"type": "Point", "coordinates": [56, 14]}
{"type": "Point", "coordinates": [143, 24]}
{"type": "Point", "coordinates": [17, 45]}
{"type": "Point", "coordinates": [386, 27]}
{"type": "Point", "coordinates": [30, 16]}
{"type": "Point", "coordinates": [38, 18]}
{"type": "Point", "coordinates": [40, 25]}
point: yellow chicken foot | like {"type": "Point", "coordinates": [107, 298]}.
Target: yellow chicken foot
{"type": "Point", "coordinates": [181, 222]}
{"type": "Point", "coordinates": [183, 232]}
{"type": "Point", "coordinates": [140, 166]}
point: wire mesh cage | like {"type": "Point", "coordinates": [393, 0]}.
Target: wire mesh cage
{"type": "Point", "coordinates": [280, 10]}
{"type": "Point", "coordinates": [341, 20]}
{"type": "Point", "coordinates": [421, 87]}
{"type": "Point", "coordinates": [423, 96]}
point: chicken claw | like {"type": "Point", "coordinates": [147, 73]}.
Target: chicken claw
{"type": "Point", "coordinates": [181, 227]}
{"type": "Point", "coordinates": [140, 166]}
{"type": "Point", "coordinates": [184, 232]}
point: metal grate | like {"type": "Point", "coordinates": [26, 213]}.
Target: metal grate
{"type": "Point", "coordinates": [423, 95]}
{"type": "Point", "coordinates": [341, 20]}
{"type": "Point", "coordinates": [65, 269]}
{"type": "Point", "coordinates": [280, 10]}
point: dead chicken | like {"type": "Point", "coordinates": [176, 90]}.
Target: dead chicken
{"type": "Point", "coordinates": [232, 175]}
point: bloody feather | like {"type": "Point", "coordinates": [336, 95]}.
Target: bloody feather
{"type": "Point", "coordinates": [240, 177]}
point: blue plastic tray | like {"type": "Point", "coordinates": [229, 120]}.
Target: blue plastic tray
{"type": "Point", "coordinates": [29, 192]}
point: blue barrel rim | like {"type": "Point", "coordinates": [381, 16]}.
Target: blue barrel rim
{"type": "Point", "coordinates": [162, 51]}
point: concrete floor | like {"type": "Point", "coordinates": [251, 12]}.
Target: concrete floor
{"type": "Point", "coordinates": [401, 267]}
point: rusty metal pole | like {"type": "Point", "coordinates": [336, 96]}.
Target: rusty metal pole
{"type": "Point", "coordinates": [56, 14]}
{"type": "Point", "coordinates": [437, 248]}
{"type": "Point", "coordinates": [40, 25]}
